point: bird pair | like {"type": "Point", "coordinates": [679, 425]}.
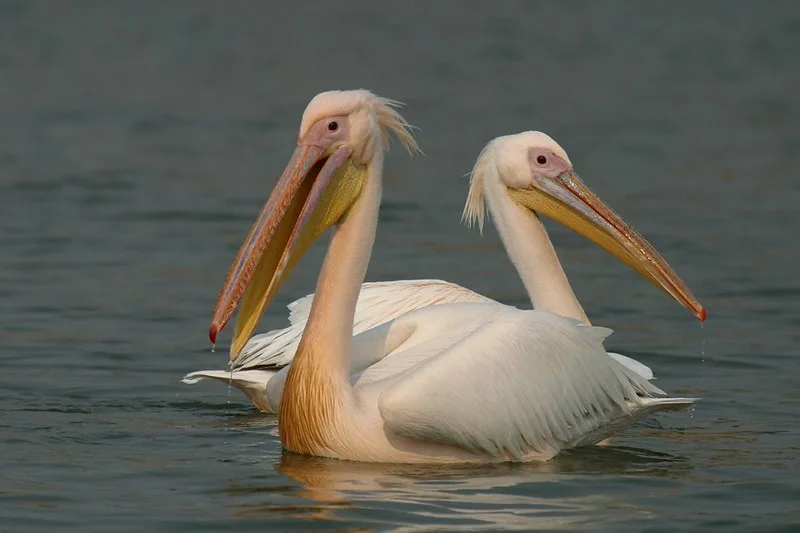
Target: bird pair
{"type": "Point", "coordinates": [427, 371]}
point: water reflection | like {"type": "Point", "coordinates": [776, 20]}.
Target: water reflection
{"type": "Point", "coordinates": [555, 495]}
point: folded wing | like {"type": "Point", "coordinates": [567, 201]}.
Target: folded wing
{"type": "Point", "coordinates": [378, 303]}
{"type": "Point", "coordinates": [526, 382]}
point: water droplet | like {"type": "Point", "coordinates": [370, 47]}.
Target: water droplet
{"type": "Point", "coordinates": [702, 344]}
{"type": "Point", "coordinates": [691, 409]}
{"type": "Point", "coordinates": [230, 384]}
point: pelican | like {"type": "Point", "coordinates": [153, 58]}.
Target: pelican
{"type": "Point", "coordinates": [464, 382]}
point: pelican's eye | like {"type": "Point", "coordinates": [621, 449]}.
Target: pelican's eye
{"type": "Point", "coordinates": [333, 125]}
{"type": "Point", "coordinates": [542, 160]}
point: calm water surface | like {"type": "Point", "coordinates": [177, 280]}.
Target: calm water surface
{"type": "Point", "coordinates": [138, 141]}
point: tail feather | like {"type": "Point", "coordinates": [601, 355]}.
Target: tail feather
{"type": "Point", "coordinates": [251, 382]}
{"type": "Point", "coordinates": [640, 411]}
{"type": "Point", "coordinates": [633, 364]}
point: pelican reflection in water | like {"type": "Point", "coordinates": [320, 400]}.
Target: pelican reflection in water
{"type": "Point", "coordinates": [471, 497]}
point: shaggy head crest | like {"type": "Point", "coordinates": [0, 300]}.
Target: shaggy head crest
{"type": "Point", "coordinates": [380, 112]}
{"type": "Point", "coordinates": [475, 209]}
{"type": "Point", "coordinates": [505, 156]}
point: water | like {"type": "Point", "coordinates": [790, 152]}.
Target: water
{"type": "Point", "coordinates": [138, 140]}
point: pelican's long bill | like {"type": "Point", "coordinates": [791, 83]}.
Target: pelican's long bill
{"type": "Point", "coordinates": [312, 194]}
{"type": "Point", "coordinates": [567, 200]}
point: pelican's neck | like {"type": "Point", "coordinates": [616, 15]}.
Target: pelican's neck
{"type": "Point", "coordinates": [330, 320]}
{"type": "Point", "coordinates": [532, 253]}
{"type": "Point", "coordinates": [317, 391]}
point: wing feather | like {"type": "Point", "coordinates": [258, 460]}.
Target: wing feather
{"type": "Point", "coordinates": [525, 382]}
{"type": "Point", "coordinates": [378, 303]}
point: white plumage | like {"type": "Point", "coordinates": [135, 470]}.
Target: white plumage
{"type": "Point", "coordinates": [379, 302]}
{"type": "Point", "coordinates": [550, 385]}
{"type": "Point", "coordinates": [494, 380]}
{"type": "Point", "coordinates": [435, 372]}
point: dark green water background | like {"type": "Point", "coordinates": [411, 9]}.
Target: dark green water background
{"type": "Point", "coordinates": [139, 139]}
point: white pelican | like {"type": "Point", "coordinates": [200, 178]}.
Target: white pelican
{"type": "Point", "coordinates": [452, 382]}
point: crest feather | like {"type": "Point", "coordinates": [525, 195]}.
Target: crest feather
{"type": "Point", "coordinates": [390, 121]}
{"type": "Point", "coordinates": [475, 209]}
{"type": "Point", "coordinates": [345, 102]}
